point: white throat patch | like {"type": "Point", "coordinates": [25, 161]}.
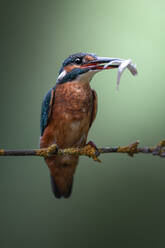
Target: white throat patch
{"type": "Point", "coordinates": [87, 76]}
{"type": "Point", "coordinates": [62, 75]}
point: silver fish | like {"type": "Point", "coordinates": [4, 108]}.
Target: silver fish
{"type": "Point", "coordinates": [123, 64]}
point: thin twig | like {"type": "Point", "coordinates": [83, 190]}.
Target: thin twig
{"type": "Point", "coordinates": [89, 150]}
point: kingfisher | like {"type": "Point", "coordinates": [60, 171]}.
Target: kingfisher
{"type": "Point", "coordinates": [68, 111]}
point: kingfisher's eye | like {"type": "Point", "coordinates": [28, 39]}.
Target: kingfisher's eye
{"type": "Point", "coordinates": [78, 61]}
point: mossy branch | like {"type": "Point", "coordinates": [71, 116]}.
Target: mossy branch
{"type": "Point", "coordinates": [89, 150]}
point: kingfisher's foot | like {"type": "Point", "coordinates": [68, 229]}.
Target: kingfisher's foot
{"type": "Point", "coordinates": [92, 144]}
{"type": "Point", "coordinates": [91, 150]}
{"type": "Point", "coordinates": [53, 149]}
{"type": "Point", "coordinates": [47, 151]}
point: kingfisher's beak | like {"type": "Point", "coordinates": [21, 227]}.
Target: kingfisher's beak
{"type": "Point", "coordinates": [101, 63]}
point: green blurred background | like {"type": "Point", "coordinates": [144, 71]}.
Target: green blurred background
{"type": "Point", "coordinates": [119, 203]}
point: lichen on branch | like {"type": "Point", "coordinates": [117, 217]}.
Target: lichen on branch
{"type": "Point", "coordinates": [89, 150]}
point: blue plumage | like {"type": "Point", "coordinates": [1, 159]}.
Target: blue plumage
{"type": "Point", "coordinates": [70, 76]}
{"type": "Point", "coordinates": [71, 59]}
{"type": "Point", "coordinates": [45, 110]}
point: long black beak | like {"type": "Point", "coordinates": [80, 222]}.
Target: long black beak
{"type": "Point", "coordinates": [101, 63]}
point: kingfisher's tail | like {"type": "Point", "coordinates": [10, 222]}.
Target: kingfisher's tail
{"type": "Point", "coordinates": [62, 170]}
{"type": "Point", "coordinates": [64, 192]}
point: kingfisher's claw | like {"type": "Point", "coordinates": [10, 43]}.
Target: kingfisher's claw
{"type": "Point", "coordinates": [92, 151]}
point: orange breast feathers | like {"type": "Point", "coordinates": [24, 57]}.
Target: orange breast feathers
{"type": "Point", "coordinates": [73, 111]}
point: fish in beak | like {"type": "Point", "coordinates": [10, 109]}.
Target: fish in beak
{"type": "Point", "coordinates": [104, 63]}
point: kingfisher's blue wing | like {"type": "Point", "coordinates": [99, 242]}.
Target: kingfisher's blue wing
{"type": "Point", "coordinates": [94, 110]}
{"type": "Point", "coordinates": [46, 109]}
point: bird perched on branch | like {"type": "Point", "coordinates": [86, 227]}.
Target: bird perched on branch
{"type": "Point", "coordinates": [68, 111]}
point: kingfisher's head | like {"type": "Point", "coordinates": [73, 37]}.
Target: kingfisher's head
{"type": "Point", "coordinates": [82, 67]}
